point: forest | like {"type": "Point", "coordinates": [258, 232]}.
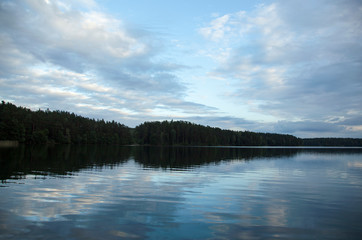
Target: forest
{"type": "Point", "coordinates": [60, 127]}
{"type": "Point", "coordinates": [186, 133]}
{"type": "Point", "coordinates": [40, 127]}
{"type": "Point", "coordinates": [346, 142]}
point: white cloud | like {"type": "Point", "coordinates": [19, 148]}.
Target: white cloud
{"type": "Point", "coordinates": [291, 61]}
{"type": "Point", "coordinates": [217, 29]}
{"type": "Point", "coordinates": [301, 60]}
{"type": "Point", "coordinates": [69, 55]}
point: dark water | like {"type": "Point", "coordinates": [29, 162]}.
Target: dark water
{"type": "Point", "coordinates": [95, 192]}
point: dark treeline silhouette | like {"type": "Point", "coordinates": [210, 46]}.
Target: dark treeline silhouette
{"type": "Point", "coordinates": [39, 127]}
{"type": "Point", "coordinates": [186, 133]}
{"type": "Point", "coordinates": [26, 126]}
{"type": "Point", "coordinates": [345, 142]}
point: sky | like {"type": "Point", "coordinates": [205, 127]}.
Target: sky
{"type": "Point", "coordinates": [290, 67]}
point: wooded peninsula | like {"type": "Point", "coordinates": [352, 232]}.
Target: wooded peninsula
{"type": "Point", "coordinates": [60, 127]}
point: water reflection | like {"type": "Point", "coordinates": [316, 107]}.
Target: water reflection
{"type": "Point", "coordinates": [100, 192]}
{"type": "Point", "coordinates": [189, 157]}
{"type": "Point", "coordinates": [58, 160]}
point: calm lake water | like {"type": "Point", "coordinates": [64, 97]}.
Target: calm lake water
{"type": "Point", "coordinates": [95, 192]}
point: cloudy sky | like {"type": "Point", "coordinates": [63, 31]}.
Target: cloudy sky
{"type": "Point", "coordinates": [269, 66]}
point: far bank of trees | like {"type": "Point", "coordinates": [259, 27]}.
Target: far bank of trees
{"type": "Point", "coordinates": [186, 133]}
{"type": "Point", "coordinates": [333, 142]}
{"type": "Point", "coordinates": [41, 127]}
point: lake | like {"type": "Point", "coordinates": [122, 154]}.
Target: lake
{"type": "Point", "coordinates": [108, 192]}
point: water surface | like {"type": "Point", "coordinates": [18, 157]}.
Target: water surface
{"type": "Point", "coordinates": [95, 192]}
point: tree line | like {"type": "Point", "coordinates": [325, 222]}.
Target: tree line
{"type": "Point", "coordinates": [39, 127]}
{"type": "Point", "coordinates": [186, 133]}
{"type": "Point", "coordinates": [345, 142]}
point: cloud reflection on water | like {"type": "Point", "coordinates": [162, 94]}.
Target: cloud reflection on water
{"type": "Point", "coordinates": [270, 196]}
